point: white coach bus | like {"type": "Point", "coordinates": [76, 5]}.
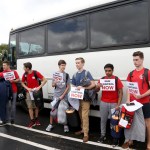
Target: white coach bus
{"type": "Point", "coordinates": [108, 33]}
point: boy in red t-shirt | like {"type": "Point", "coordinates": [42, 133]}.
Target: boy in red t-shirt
{"type": "Point", "coordinates": [13, 77]}
{"type": "Point", "coordinates": [29, 82]}
{"type": "Point", "coordinates": [144, 97]}
{"type": "Point", "coordinates": [109, 99]}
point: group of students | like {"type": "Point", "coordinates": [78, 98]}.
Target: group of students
{"type": "Point", "coordinates": [29, 82]}
{"type": "Point", "coordinates": [108, 100]}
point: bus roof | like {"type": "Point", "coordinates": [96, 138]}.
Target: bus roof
{"type": "Point", "coordinates": [102, 5]}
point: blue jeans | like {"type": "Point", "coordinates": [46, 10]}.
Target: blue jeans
{"type": "Point", "coordinates": [11, 109]}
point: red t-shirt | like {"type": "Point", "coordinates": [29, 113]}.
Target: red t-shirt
{"type": "Point", "coordinates": [31, 80]}
{"type": "Point", "coordinates": [14, 86]}
{"type": "Point", "coordinates": [137, 76]}
{"type": "Point", "coordinates": [111, 96]}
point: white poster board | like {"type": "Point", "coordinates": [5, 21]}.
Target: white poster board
{"type": "Point", "coordinates": [134, 107]}
{"type": "Point", "coordinates": [77, 94]}
{"type": "Point", "coordinates": [133, 88]}
{"type": "Point", "coordinates": [123, 123]}
{"type": "Point", "coordinates": [9, 75]}
{"type": "Point", "coordinates": [58, 76]}
{"type": "Point", "coordinates": [108, 84]}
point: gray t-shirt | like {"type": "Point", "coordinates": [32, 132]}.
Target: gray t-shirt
{"type": "Point", "coordinates": [61, 86]}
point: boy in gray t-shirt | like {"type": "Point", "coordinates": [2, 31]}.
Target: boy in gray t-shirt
{"type": "Point", "coordinates": [61, 88]}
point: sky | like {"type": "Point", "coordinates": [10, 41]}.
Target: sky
{"type": "Point", "coordinates": [19, 13]}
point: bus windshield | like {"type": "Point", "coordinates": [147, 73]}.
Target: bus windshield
{"type": "Point", "coordinates": [12, 51]}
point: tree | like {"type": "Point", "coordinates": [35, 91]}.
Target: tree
{"type": "Point", "coordinates": [3, 47]}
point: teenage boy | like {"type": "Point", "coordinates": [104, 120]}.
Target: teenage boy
{"type": "Point", "coordinates": [30, 83]}
{"type": "Point", "coordinates": [11, 107]}
{"type": "Point", "coordinates": [109, 99]}
{"type": "Point", "coordinates": [61, 89]}
{"type": "Point", "coordinates": [85, 103]}
{"type": "Point", "coordinates": [141, 76]}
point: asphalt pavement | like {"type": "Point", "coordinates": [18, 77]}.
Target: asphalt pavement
{"type": "Point", "coordinates": [19, 137]}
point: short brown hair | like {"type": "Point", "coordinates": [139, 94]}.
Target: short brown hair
{"type": "Point", "coordinates": [138, 53]}
{"type": "Point", "coordinates": [80, 58]}
{"type": "Point", "coordinates": [6, 62]}
{"type": "Point", "coordinates": [28, 65]}
{"type": "Point", "coordinates": [60, 62]}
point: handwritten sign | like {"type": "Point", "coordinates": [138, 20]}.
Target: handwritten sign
{"type": "Point", "coordinates": [108, 84]}
{"type": "Point", "coordinates": [133, 88]}
{"type": "Point", "coordinates": [9, 75]}
{"type": "Point", "coordinates": [58, 76]}
{"type": "Point", "coordinates": [77, 94]}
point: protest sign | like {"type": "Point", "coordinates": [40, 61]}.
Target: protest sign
{"type": "Point", "coordinates": [108, 84]}
{"type": "Point", "coordinates": [9, 75]}
{"type": "Point", "coordinates": [77, 94]}
{"type": "Point", "coordinates": [133, 88]}
{"type": "Point", "coordinates": [58, 76]}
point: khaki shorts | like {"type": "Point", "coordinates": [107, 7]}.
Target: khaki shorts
{"type": "Point", "coordinates": [30, 103]}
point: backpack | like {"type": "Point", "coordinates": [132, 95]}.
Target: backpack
{"type": "Point", "coordinates": [67, 76]}
{"type": "Point", "coordinates": [86, 72]}
{"type": "Point", "coordinates": [35, 75]}
{"type": "Point", "coordinates": [91, 94]}
{"type": "Point", "coordinates": [126, 116]}
{"type": "Point", "coordinates": [21, 91]}
{"type": "Point", "coordinates": [145, 75]}
{"type": "Point", "coordinates": [116, 131]}
{"type": "Point", "coordinates": [38, 96]}
{"type": "Point", "coordinates": [73, 118]}
{"type": "Point", "coordinates": [116, 81]}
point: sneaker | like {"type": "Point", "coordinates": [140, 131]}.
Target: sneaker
{"type": "Point", "coordinates": [115, 142]}
{"type": "Point", "coordinates": [37, 122]}
{"type": "Point", "coordinates": [102, 139]}
{"type": "Point", "coordinates": [8, 123]}
{"type": "Point", "coordinates": [49, 127]}
{"type": "Point", "coordinates": [127, 145]}
{"type": "Point", "coordinates": [2, 123]}
{"type": "Point", "coordinates": [79, 132]}
{"type": "Point", "coordinates": [12, 122]}
{"type": "Point", "coordinates": [31, 124]}
{"type": "Point", "coordinates": [85, 139]}
{"type": "Point", "coordinates": [66, 128]}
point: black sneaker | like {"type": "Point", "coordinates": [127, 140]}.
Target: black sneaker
{"type": "Point", "coordinates": [102, 139]}
{"type": "Point", "coordinates": [115, 142]}
{"type": "Point", "coordinates": [12, 122]}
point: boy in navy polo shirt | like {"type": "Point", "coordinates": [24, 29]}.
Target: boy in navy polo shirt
{"type": "Point", "coordinates": [85, 103]}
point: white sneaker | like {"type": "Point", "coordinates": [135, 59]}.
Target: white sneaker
{"type": "Point", "coordinates": [66, 128]}
{"type": "Point", "coordinates": [8, 123]}
{"type": "Point", "coordinates": [49, 127]}
{"type": "Point", "coordinates": [2, 123]}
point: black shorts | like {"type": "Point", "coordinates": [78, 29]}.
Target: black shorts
{"type": "Point", "coordinates": [146, 110]}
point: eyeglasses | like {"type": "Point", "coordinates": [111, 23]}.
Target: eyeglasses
{"type": "Point", "coordinates": [108, 70]}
